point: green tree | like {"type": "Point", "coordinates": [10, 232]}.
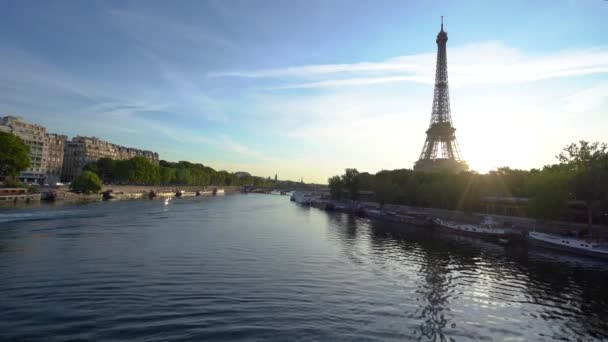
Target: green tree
{"type": "Point", "coordinates": [137, 170]}
{"type": "Point", "coordinates": [122, 171]}
{"type": "Point", "coordinates": [183, 176]}
{"type": "Point", "coordinates": [550, 191]}
{"type": "Point", "coordinates": [225, 177]}
{"type": "Point", "coordinates": [143, 171]}
{"type": "Point", "coordinates": [350, 179]}
{"type": "Point", "coordinates": [166, 164]}
{"type": "Point", "coordinates": [92, 166]}
{"type": "Point", "coordinates": [106, 169]}
{"type": "Point", "coordinates": [366, 181]}
{"type": "Point", "coordinates": [87, 182]}
{"type": "Point", "coordinates": [14, 155]}
{"type": "Point", "coordinates": [167, 175]}
{"type": "Point", "coordinates": [589, 164]}
{"type": "Point", "coordinates": [12, 182]}
{"type": "Point", "coordinates": [336, 187]}
{"type": "Point", "coordinates": [201, 175]}
{"type": "Point", "coordinates": [231, 179]}
{"type": "Point", "coordinates": [469, 195]}
{"type": "Point", "coordinates": [386, 191]}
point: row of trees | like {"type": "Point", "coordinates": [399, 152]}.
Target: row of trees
{"type": "Point", "coordinates": [14, 157]}
{"type": "Point", "coordinates": [581, 174]}
{"type": "Point", "coordinates": [139, 170]}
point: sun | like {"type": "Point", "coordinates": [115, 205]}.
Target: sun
{"type": "Point", "coordinates": [481, 159]}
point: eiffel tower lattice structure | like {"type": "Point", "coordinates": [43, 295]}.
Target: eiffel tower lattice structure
{"type": "Point", "coordinates": [441, 151]}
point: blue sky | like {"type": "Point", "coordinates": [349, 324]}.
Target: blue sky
{"type": "Point", "coordinates": [308, 88]}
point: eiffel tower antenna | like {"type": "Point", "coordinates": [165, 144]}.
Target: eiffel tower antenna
{"type": "Point", "coordinates": [440, 150]}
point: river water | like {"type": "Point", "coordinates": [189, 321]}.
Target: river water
{"type": "Point", "coordinates": [259, 267]}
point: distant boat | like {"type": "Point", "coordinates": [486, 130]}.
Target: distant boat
{"type": "Point", "coordinates": [217, 192]}
{"type": "Point", "coordinates": [417, 219]}
{"type": "Point", "coordinates": [184, 193]}
{"type": "Point", "coordinates": [303, 198]}
{"type": "Point", "coordinates": [487, 229]}
{"type": "Point", "coordinates": [108, 195]}
{"type": "Point", "coordinates": [275, 192]}
{"type": "Point", "coordinates": [166, 194]}
{"type": "Point", "coordinates": [569, 244]}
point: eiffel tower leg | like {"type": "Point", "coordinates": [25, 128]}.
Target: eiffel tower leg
{"type": "Point", "coordinates": [429, 147]}
{"type": "Point", "coordinates": [449, 150]}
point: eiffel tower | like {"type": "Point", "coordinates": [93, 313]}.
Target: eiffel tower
{"type": "Point", "coordinates": [441, 151]}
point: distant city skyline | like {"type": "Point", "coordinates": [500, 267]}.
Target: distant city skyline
{"type": "Point", "coordinates": [308, 88]}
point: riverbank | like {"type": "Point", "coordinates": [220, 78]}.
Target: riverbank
{"type": "Point", "coordinates": [116, 192]}
{"type": "Point", "coordinates": [421, 215]}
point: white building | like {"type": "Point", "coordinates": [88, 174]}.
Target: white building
{"type": "Point", "coordinates": [33, 136]}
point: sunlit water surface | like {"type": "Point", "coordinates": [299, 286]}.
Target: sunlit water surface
{"type": "Point", "coordinates": [258, 267]}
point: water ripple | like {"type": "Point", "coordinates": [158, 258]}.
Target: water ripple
{"type": "Point", "coordinates": [260, 268]}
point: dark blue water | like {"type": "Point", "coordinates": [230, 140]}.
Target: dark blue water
{"type": "Point", "coordinates": [258, 267]}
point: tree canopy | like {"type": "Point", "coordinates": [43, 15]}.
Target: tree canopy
{"type": "Point", "coordinates": [140, 170]}
{"type": "Point", "coordinates": [14, 155]}
{"type": "Point", "coordinates": [336, 187]}
{"type": "Point", "coordinates": [588, 164]}
{"type": "Point", "coordinates": [582, 174]}
{"type": "Point", "coordinates": [87, 182]}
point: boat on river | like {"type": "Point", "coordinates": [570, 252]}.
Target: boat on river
{"type": "Point", "coordinates": [487, 229]}
{"type": "Point", "coordinates": [183, 193]}
{"type": "Point", "coordinates": [411, 218]}
{"type": "Point", "coordinates": [569, 244]}
{"type": "Point", "coordinates": [165, 194]}
{"type": "Point", "coordinates": [303, 198]}
{"type": "Point", "coordinates": [120, 195]}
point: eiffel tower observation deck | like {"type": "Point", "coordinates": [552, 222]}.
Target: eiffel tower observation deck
{"type": "Point", "coordinates": [441, 151]}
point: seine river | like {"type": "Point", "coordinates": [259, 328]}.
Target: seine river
{"type": "Point", "coordinates": [259, 267]}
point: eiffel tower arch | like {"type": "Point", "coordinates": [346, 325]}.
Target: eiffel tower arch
{"type": "Point", "coordinates": [441, 151]}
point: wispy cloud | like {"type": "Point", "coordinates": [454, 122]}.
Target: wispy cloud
{"type": "Point", "coordinates": [587, 99]}
{"type": "Point", "coordinates": [490, 62]}
{"type": "Point", "coordinates": [143, 24]}
{"type": "Point", "coordinates": [229, 144]}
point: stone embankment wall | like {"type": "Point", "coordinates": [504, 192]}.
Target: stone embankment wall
{"type": "Point", "coordinates": [18, 199]}
{"type": "Point", "coordinates": [525, 223]}
{"type": "Point", "coordinates": [63, 193]}
{"type": "Point", "coordinates": [520, 222]}
{"type": "Point", "coordinates": [147, 188]}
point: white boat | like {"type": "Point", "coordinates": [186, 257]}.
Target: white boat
{"type": "Point", "coordinates": [217, 192]}
{"type": "Point", "coordinates": [486, 229]}
{"type": "Point", "coordinates": [165, 194]}
{"type": "Point", "coordinates": [570, 244]}
{"type": "Point", "coordinates": [302, 197]}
